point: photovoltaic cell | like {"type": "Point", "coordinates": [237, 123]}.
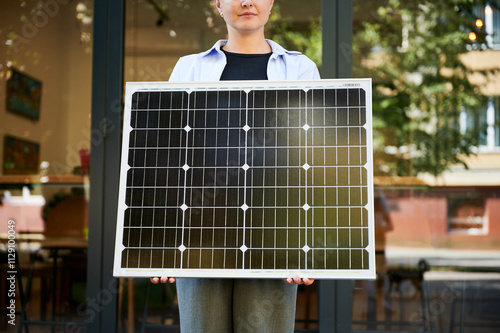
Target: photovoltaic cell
{"type": "Point", "coordinates": [247, 179]}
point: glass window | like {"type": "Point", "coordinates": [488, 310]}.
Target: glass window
{"type": "Point", "coordinates": [496, 23]}
{"type": "Point", "coordinates": [485, 124]}
{"type": "Point", "coordinates": [489, 25]}
{"type": "Point", "coordinates": [444, 224]}
{"type": "Point", "coordinates": [45, 107]}
{"type": "Point", "coordinates": [466, 214]}
{"type": "Point", "coordinates": [496, 122]}
{"type": "Point", "coordinates": [490, 14]}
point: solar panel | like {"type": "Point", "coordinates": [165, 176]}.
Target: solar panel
{"type": "Point", "coordinates": [247, 179]}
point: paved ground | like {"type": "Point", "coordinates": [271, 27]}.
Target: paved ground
{"type": "Point", "coordinates": [409, 257]}
{"type": "Point", "coordinates": [460, 293]}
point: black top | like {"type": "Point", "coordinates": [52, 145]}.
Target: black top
{"type": "Point", "coordinates": [245, 66]}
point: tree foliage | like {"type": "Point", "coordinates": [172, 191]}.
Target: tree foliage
{"type": "Point", "coordinates": [412, 51]}
{"type": "Point", "coordinates": [305, 38]}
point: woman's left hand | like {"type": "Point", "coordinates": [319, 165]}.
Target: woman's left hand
{"type": "Point", "coordinates": [299, 280]}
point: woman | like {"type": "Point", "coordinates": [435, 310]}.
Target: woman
{"type": "Point", "coordinates": [240, 305]}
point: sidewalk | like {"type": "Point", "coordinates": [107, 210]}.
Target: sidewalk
{"type": "Point", "coordinates": [409, 257]}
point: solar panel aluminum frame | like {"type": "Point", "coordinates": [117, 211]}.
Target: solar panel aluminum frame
{"type": "Point", "coordinates": [310, 267]}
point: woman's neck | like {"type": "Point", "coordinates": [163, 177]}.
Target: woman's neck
{"type": "Point", "coordinates": [249, 44]}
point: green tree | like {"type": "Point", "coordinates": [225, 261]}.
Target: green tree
{"type": "Point", "coordinates": [305, 38]}
{"type": "Point", "coordinates": [412, 51]}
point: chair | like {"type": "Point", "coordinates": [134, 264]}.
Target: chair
{"type": "Point", "coordinates": [63, 254]}
{"type": "Point", "coordinates": [68, 218]}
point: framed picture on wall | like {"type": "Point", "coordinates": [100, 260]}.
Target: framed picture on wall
{"type": "Point", "coordinates": [20, 157]}
{"type": "Point", "coordinates": [23, 94]}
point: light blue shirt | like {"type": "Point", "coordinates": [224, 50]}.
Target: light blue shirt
{"type": "Point", "coordinates": [208, 66]}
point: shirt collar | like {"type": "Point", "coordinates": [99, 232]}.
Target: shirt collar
{"type": "Point", "coordinates": [277, 49]}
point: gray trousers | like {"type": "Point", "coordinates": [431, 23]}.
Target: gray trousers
{"type": "Point", "coordinates": [236, 305]}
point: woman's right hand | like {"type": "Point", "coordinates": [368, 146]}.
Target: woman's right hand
{"type": "Point", "coordinates": [163, 279]}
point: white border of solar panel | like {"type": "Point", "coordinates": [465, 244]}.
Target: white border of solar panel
{"type": "Point", "coordinates": [263, 272]}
